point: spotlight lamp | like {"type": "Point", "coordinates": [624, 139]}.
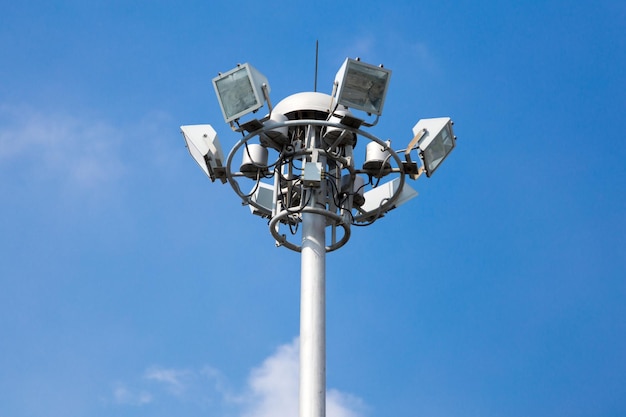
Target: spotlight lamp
{"type": "Point", "coordinates": [299, 168]}
{"type": "Point", "coordinates": [436, 141]}
{"type": "Point", "coordinates": [205, 149]}
{"type": "Point", "coordinates": [240, 91]}
{"type": "Point", "coordinates": [362, 86]}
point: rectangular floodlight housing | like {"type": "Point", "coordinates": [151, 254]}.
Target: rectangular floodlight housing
{"type": "Point", "coordinates": [362, 86]}
{"type": "Point", "coordinates": [263, 196]}
{"type": "Point", "coordinates": [240, 91]}
{"type": "Point", "coordinates": [375, 197]}
{"type": "Point", "coordinates": [205, 148]}
{"type": "Point", "coordinates": [436, 143]}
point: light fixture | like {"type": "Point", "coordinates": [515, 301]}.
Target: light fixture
{"type": "Point", "coordinates": [362, 86]}
{"type": "Point", "coordinates": [240, 91]}
{"type": "Point", "coordinates": [436, 143]}
{"type": "Point", "coordinates": [254, 161]}
{"type": "Point", "coordinates": [377, 159]}
{"type": "Point", "coordinates": [263, 196]}
{"type": "Point", "coordinates": [336, 135]}
{"type": "Point", "coordinates": [355, 188]}
{"type": "Point", "coordinates": [205, 149]}
{"type": "Point", "coordinates": [277, 137]}
{"type": "Point", "coordinates": [378, 196]}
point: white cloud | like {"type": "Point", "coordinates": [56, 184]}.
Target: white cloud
{"type": "Point", "coordinates": [173, 379]}
{"type": "Point", "coordinates": [124, 396]}
{"type": "Point", "coordinates": [340, 404]}
{"type": "Point", "coordinates": [59, 147]}
{"type": "Point", "coordinates": [271, 389]}
{"type": "Point", "coordinates": [274, 386]}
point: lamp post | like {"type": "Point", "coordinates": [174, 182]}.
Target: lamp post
{"type": "Point", "coordinates": [301, 173]}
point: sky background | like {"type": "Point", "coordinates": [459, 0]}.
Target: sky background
{"type": "Point", "coordinates": [133, 286]}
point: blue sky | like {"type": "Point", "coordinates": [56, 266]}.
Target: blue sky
{"type": "Point", "coordinates": [133, 286]}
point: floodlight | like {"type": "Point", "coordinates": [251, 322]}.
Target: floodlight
{"type": "Point", "coordinates": [378, 196]}
{"type": "Point", "coordinates": [240, 91]}
{"type": "Point", "coordinates": [279, 135]}
{"type": "Point", "coordinates": [205, 148]}
{"type": "Point", "coordinates": [377, 159]}
{"type": "Point", "coordinates": [337, 135]}
{"type": "Point", "coordinates": [254, 161]}
{"type": "Point", "coordinates": [264, 196]}
{"type": "Point", "coordinates": [356, 191]}
{"type": "Point", "coordinates": [436, 142]}
{"type": "Point", "coordinates": [362, 86]}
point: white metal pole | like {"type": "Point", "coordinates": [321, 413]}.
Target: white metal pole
{"type": "Point", "coordinates": [313, 309]}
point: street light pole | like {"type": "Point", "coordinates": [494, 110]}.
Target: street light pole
{"type": "Point", "coordinates": [316, 181]}
{"type": "Point", "coordinates": [313, 303]}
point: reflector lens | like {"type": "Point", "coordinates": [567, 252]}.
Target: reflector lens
{"type": "Point", "coordinates": [362, 86]}
{"type": "Point", "coordinates": [236, 93]}
{"type": "Point", "coordinates": [438, 149]}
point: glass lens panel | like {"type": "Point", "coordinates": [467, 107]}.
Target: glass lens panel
{"type": "Point", "coordinates": [364, 89]}
{"type": "Point", "coordinates": [236, 93]}
{"type": "Point", "coordinates": [433, 155]}
{"type": "Point", "coordinates": [438, 149]}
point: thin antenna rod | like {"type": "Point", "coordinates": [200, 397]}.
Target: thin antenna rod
{"type": "Point", "coordinates": [316, 57]}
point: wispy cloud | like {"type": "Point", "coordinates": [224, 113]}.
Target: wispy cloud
{"type": "Point", "coordinates": [175, 380]}
{"type": "Point", "coordinates": [59, 146]}
{"type": "Point", "coordinates": [122, 395]}
{"type": "Point", "coordinates": [271, 389]}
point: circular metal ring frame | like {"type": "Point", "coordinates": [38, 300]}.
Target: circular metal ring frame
{"type": "Point", "coordinates": [338, 219]}
{"type": "Point", "coordinates": [281, 239]}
